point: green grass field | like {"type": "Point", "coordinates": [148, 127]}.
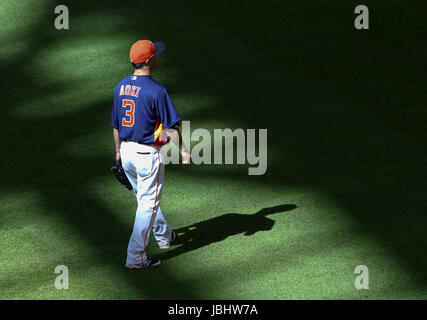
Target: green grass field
{"type": "Point", "coordinates": [346, 117]}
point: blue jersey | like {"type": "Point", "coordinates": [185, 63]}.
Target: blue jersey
{"type": "Point", "coordinates": [142, 109]}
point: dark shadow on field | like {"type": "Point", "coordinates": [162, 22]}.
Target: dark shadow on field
{"type": "Point", "coordinates": [219, 228]}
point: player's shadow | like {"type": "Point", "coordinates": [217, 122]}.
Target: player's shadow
{"type": "Point", "coordinates": [203, 233]}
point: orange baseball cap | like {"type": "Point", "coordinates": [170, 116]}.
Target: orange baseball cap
{"type": "Point", "coordinates": [143, 50]}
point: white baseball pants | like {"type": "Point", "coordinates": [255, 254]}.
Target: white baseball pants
{"type": "Point", "coordinates": [144, 168]}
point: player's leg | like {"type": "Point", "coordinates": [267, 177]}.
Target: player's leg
{"type": "Point", "coordinates": [127, 154]}
{"type": "Point", "coordinates": [149, 187]}
{"type": "Point", "coordinates": [162, 230]}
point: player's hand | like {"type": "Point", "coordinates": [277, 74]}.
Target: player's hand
{"type": "Point", "coordinates": [118, 155]}
{"type": "Point", "coordinates": [186, 157]}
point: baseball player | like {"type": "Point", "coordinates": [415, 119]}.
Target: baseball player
{"type": "Point", "coordinates": [143, 119]}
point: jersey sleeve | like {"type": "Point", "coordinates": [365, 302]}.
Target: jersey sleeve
{"type": "Point", "coordinates": [114, 122]}
{"type": "Point", "coordinates": [166, 110]}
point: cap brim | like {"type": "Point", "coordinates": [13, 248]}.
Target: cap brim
{"type": "Point", "coordinates": [160, 46]}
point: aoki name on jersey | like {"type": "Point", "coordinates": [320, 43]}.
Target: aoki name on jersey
{"type": "Point", "coordinates": [128, 90]}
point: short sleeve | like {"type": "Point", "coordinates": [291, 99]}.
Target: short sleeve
{"type": "Point", "coordinates": [166, 110]}
{"type": "Point", "coordinates": [114, 122]}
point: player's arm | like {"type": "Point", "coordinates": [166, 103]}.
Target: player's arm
{"type": "Point", "coordinates": [170, 118]}
{"type": "Point", "coordinates": [114, 122]}
{"type": "Point", "coordinates": [175, 136]}
{"type": "Point", "coordinates": [117, 142]}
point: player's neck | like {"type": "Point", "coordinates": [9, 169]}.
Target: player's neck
{"type": "Point", "coordinates": [143, 72]}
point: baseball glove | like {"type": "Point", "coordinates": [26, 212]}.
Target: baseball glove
{"type": "Point", "coordinates": [119, 173]}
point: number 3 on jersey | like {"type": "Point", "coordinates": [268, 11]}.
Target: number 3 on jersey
{"type": "Point", "coordinates": [128, 122]}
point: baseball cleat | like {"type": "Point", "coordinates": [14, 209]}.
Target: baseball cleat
{"type": "Point", "coordinates": [171, 242]}
{"type": "Point", "coordinates": [147, 264]}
